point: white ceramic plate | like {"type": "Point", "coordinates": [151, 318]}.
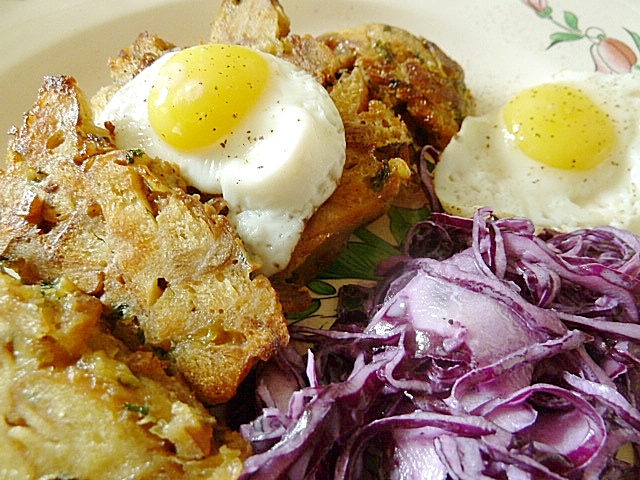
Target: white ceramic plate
{"type": "Point", "coordinates": [502, 44]}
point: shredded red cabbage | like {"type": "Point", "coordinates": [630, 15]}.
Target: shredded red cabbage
{"type": "Point", "coordinates": [489, 351]}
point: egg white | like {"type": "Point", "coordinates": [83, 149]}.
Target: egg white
{"type": "Point", "coordinates": [282, 162]}
{"type": "Point", "coordinates": [482, 166]}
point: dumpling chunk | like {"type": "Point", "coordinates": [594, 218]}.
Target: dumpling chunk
{"type": "Point", "coordinates": [171, 271]}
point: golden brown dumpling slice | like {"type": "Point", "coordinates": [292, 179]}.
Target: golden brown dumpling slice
{"type": "Point", "coordinates": [120, 225]}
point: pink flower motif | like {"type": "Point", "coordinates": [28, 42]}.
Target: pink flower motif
{"type": "Point", "coordinates": [538, 5]}
{"type": "Point", "coordinates": [612, 56]}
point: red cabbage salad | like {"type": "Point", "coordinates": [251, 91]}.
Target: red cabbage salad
{"type": "Point", "coordinates": [487, 351]}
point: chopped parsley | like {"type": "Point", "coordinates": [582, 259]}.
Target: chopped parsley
{"type": "Point", "coordinates": [133, 154]}
{"type": "Point", "coordinates": [140, 409]}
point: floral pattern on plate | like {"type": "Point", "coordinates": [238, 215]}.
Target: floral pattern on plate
{"type": "Point", "coordinates": [609, 54]}
{"type": "Point", "coordinates": [357, 263]}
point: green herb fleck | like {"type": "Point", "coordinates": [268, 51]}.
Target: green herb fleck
{"type": "Point", "coordinates": [119, 311]}
{"type": "Point", "coordinates": [384, 49]}
{"type": "Point", "coordinates": [133, 154]}
{"type": "Point", "coordinates": [380, 179]}
{"type": "Point", "coordinates": [47, 285]}
{"type": "Point", "coordinates": [141, 409]}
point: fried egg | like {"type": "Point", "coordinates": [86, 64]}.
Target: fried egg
{"type": "Point", "coordinates": [565, 154]}
{"type": "Point", "coordinates": [242, 124]}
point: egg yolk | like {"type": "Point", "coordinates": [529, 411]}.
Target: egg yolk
{"type": "Point", "coordinates": [560, 126]}
{"type": "Point", "coordinates": [202, 93]}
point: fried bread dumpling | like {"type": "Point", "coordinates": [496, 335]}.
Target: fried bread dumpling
{"type": "Point", "coordinates": [77, 403]}
{"type": "Point", "coordinates": [170, 269]}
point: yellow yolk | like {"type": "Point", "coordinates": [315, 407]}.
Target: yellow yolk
{"type": "Point", "coordinates": [204, 92]}
{"type": "Point", "coordinates": [560, 126]}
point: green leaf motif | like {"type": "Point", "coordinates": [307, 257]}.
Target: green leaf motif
{"type": "Point", "coordinates": [358, 261]}
{"type": "Point", "coordinates": [402, 219]}
{"type": "Point", "coordinates": [360, 258]}
{"type": "Point", "coordinates": [296, 317]}
{"type": "Point", "coordinates": [635, 37]}
{"type": "Point", "coordinates": [546, 13]}
{"type": "Point", "coordinates": [321, 288]}
{"type": "Point", "coordinates": [571, 20]}
{"type": "Point", "coordinates": [376, 242]}
{"type": "Point", "coordinates": [560, 37]}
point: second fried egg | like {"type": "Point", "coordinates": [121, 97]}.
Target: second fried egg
{"type": "Point", "coordinates": [565, 154]}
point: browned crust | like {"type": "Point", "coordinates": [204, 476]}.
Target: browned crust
{"type": "Point", "coordinates": [123, 228]}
